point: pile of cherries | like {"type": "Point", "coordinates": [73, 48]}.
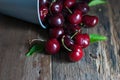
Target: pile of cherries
{"type": "Point", "coordinates": [66, 19]}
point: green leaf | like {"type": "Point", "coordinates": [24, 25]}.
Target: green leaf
{"type": "Point", "coordinates": [97, 37]}
{"type": "Point", "coordinates": [96, 2]}
{"type": "Point", "coordinates": [35, 48]}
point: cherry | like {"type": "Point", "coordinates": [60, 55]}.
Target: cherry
{"type": "Point", "coordinates": [90, 21]}
{"type": "Point", "coordinates": [75, 17]}
{"type": "Point", "coordinates": [56, 20]}
{"type": "Point", "coordinates": [82, 6]}
{"type": "Point", "coordinates": [56, 32]}
{"type": "Point", "coordinates": [76, 54]}
{"type": "Point", "coordinates": [56, 7]}
{"type": "Point", "coordinates": [52, 46]}
{"type": "Point", "coordinates": [69, 3]}
{"type": "Point", "coordinates": [71, 29]}
{"type": "Point", "coordinates": [68, 41]}
{"type": "Point", "coordinates": [43, 2]}
{"type": "Point", "coordinates": [82, 39]}
{"type": "Point", "coordinates": [76, 48]}
{"type": "Point", "coordinates": [66, 19]}
{"type": "Point", "coordinates": [43, 10]}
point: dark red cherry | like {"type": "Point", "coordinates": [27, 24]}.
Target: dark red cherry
{"type": "Point", "coordinates": [71, 29]}
{"type": "Point", "coordinates": [52, 46]}
{"type": "Point", "coordinates": [82, 39]}
{"type": "Point", "coordinates": [75, 28]}
{"type": "Point", "coordinates": [82, 6]}
{"type": "Point", "coordinates": [69, 3]}
{"type": "Point", "coordinates": [75, 55]}
{"type": "Point", "coordinates": [75, 17]}
{"type": "Point", "coordinates": [68, 41]}
{"type": "Point", "coordinates": [56, 32]}
{"type": "Point", "coordinates": [76, 48]}
{"type": "Point", "coordinates": [56, 20]}
{"type": "Point", "coordinates": [43, 10]}
{"type": "Point", "coordinates": [43, 2]}
{"type": "Point", "coordinates": [56, 7]}
{"type": "Point", "coordinates": [90, 21]}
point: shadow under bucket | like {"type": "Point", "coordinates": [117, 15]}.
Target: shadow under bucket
{"type": "Point", "coordinates": [27, 10]}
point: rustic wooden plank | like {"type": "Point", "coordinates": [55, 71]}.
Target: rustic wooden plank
{"type": "Point", "coordinates": [106, 65]}
{"type": "Point", "coordinates": [14, 65]}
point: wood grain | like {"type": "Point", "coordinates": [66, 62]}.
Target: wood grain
{"type": "Point", "coordinates": [14, 38]}
{"type": "Point", "coordinates": [102, 59]}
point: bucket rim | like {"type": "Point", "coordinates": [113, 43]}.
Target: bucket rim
{"type": "Point", "coordinates": [40, 22]}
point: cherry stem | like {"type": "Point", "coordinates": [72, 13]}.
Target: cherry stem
{"type": "Point", "coordinates": [64, 44]}
{"type": "Point", "coordinates": [74, 34]}
{"type": "Point", "coordinates": [35, 40]}
{"type": "Point", "coordinates": [68, 9]}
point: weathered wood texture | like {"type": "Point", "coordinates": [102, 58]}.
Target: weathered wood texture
{"type": "Point", "coordinates": [101, 60]}
{"type": "Point", "coordinates": [107, 64]}
{"type": "Point", "coordinates": [14, 65]}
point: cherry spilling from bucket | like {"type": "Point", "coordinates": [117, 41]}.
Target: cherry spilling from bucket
{"type": "Point", "coordinates": [66, 20]}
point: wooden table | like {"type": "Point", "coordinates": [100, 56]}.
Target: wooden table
{"type": "Point", "coordinates": [101, 60]}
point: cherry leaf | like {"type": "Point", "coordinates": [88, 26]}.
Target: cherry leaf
{"type": "Point", "coordinates": [97, 37]}
{"type": "Point", "coordinates": [35, 48]}
{"type": "Point", "coordinates": [96, 2]}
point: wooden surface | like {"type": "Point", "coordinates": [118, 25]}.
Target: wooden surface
{"type": "Point", "coordinates": [101, 60]}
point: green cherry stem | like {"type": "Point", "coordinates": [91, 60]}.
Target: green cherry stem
{"type": "Point", "coordinates": [64, 44]}
{"type": "Point", "coordinates": [97, 37]}
{"type": "Point", "coordinates": [68, 9]}
{"type": "Point", "coordinates": [74, 34]}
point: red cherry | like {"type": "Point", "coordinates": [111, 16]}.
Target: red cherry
{"type": "Point", "coordinates": [76, 48]}
{"type": "Point", "coordinates": [43, 2]}
{"type": "Point", "coordinates": [52, 46]}
{"type": "Point", "coordinates": [75, 17]}
{"type": "Point", "coordinates": [56, 20]}
{"type": "Point", "coordinates": [69, 3]}
{"type": "Point", "coordinates": [76, 54]}
{"type": "Point", "coordinates": [82, 6]}
{"type": "Point", "coordinates": [68, 41]}
{"type": "Point", "coordinates": [56, 32]}
{"type": "Point", "coordinates": [90, 21]}
{"type": "Point", "coordinates": [82, 39]}
{"type": "Point", "coordinates": [43, 10]}
{"type": "Point", "coordinates": [71, 29]}
{"type": "Point", "coordinates": [56, 7]}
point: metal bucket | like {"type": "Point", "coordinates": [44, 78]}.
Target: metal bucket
{"type": "Point", "coordinates": [27, 10]}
